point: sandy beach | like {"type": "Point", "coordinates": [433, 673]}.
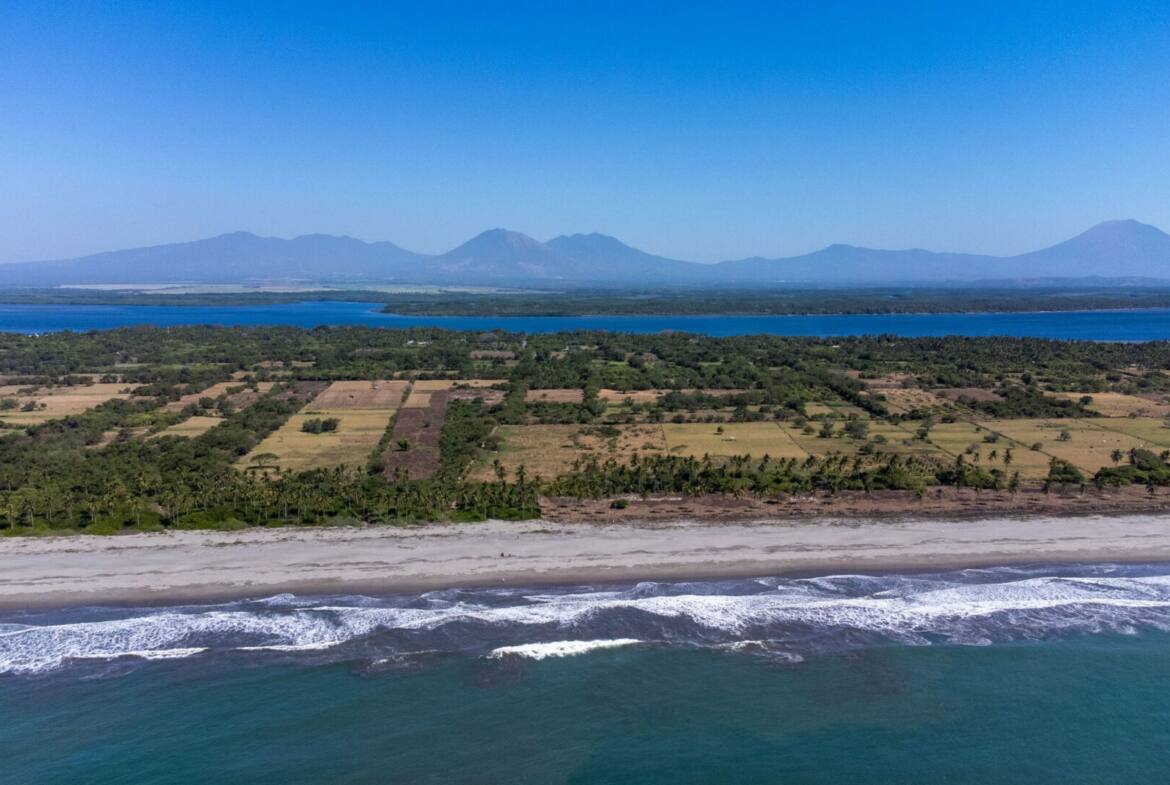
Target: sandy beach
{"type": "Point", "coordinates": [182, 566]}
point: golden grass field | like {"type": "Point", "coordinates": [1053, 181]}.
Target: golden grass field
{"type": "Point", "coordinates": [1148, 429]}
{"type": "Point", "coordinates": [192, 426]}
{"type": "Point", "coordinates": [1112, 404]}
{"type": "Point", "coordinates": [782, 440]}
{"type": "Point", "coordinates": [955, 438]}
{"type": "Point", "coordinates": [54, 402]}
{"type": "Point", "coordinates": [635, 396]}
{"type": "Point", "coordinates": [747, 438]}
{"type": "Point", "coordinates": [814, 444]}
{"type": "Point", "coordinates": [974, 393]}
{"type": "Point", "coordinates": [13, 390]}
{"type": "Point", "coordinates": [549, 450]}
{"type": "Point", "coordinates": [417, 400]}
{"type": "Point", "coordinates": [555, 396]}
{"type": "Point", "coordinates": [899, 399]}
{"type": "Point", "coordinates": [435, 385]}
{"type": "Point", "coordinates": [214, 391]}
{"type": "Point", "coordinates": [1089, 447]}
{"type": "Point", "coordinates": [364, 409]}
{"type": "Point", "coordinates": [350, 445]}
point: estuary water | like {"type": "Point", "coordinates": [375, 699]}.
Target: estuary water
{"type": "Point", "coordinates": [1118, 325]}
{"type": "Point", "coordinates": [1005, 675]}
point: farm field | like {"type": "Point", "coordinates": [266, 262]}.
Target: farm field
{"type": "Point", "coordinates": [900, 400]}
{"type": "Point", "coordinates": [889, 438]}
{"type": "Point", "coordinates": [1148, 429]}
{"type": "Point", "coordinates": [1112, 404]}
{"type": "Point", "coordinates": [635, 396]}
{"type": "Point", "coordinates": [955, 438]}
{"type": "Point", "coordinates": [968, 439]}
{"type": "Point", "coordinates": [814, 444]}
{"type": "Point", "coordinates": [214, 391]}
{"type": "Point", "coordinates": [240, 399]}
{"type": "Point", "coordinates": [652, 395]}
{"type": "Point", "coordinates": [754, 438]}
{"type": "Point", "coordinates": [843, 409]}
{"type": "Point", "coordinates": [418, 428]}
{"type": "Point", "coordinates": [190, 427]}
{"type": "Point", "coordinates": [376, 394]}
{"type": "Point", "coordinates": [436, 385]}
{"type": "Point", "coordinates": [555, 396]}
{"type": "Point", "coordinates": [245, 398]}
{"type": "Point", "coordinates": [363, 410]}
{"type": "Point", "coordinates": [422, 392]}
{"type": "Point", "coordinates": [54, 402]}
{"type": "Point", "coordinates": [358, 432]}
{"type": "Point", "coordinates": [1088, 447]}
{"type": "Point", "coordinates": [974, 393]}
{"type": "Point", "coordinates": [549, 450]}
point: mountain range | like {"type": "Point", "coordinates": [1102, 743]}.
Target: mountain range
{"type": "Point", "coordinates": [1114, 250]}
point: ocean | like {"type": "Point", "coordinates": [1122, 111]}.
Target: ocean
{"type": "Point", "coordinates": [1131, 325]}
{"type": "Point", "coordinates": [1004, 675]}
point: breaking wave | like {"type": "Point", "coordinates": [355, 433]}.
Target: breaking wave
{"type": "Point", "coordinates": [784, 618]}
{"type": "Point", "coordinates": [540, 651]}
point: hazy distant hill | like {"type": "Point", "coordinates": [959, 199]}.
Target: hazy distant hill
{"type": "Point", "coordinates": [1113, 250]}
{"type": "Point", "coordinates": [610, 257]}
{"type": "Point", "coordinates": [506, 257]}
{"type": "Point", "coordinates": [1110, 250]}
{"type": "Point", "coordinates": [224, 259]}
{"type": "Point", "coordinates": [502, 256]}
{"type": "Point", "coordinates": [849, 264]}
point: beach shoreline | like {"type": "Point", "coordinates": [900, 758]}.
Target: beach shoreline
{"type": "Point", "coordinates": [200, 567]}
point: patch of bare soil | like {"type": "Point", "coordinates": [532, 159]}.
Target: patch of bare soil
{"type": "Point", "coordinates": [376, 394]}
{"type": "Point", "coordinates": [936, 503]}
{"type": "Point", "coordinates": [417, 429]}
{"type": "Point", "coordinates": [304, 389]}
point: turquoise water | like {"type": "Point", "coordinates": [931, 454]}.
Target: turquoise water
{"type": "Point", "coordinates": [1042, 675]}
{"type": "Point", "coordinates": [1135, 325]}
{"type": "Point", "coordinates": [1092, 710]}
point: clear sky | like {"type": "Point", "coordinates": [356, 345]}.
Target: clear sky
{"type": "Point", "coordinates": [700, 132]}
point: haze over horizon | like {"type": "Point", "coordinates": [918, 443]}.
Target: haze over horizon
{"type": "Point", "coordinates": [705, 135]}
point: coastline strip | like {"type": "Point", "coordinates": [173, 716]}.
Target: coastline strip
{"type": "Point", "coordinates": [175, 567]}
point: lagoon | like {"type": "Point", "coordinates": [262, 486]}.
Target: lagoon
{"type": "Point", "coordinates": [1116, 325]}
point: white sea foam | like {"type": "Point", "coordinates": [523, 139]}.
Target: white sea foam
{"type": "Point", "coordinates": [907, 609]}
{"type": "Point", "coordinates": [165, 654]}
{"type": "Point", "coordinates": [540, 651]}
{"type": "Point", "coordinates": [765, 648]}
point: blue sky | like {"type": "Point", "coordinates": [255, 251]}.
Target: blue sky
{"type": "Point", "coordinates": [697, 131]}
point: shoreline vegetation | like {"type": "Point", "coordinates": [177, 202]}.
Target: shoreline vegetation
{"type": "Point", "coordinates": [191, 567]}
{"type": "Point", "coordinates": [794, 301]}
{"type": "Point", "coordinates": [152, 429]}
